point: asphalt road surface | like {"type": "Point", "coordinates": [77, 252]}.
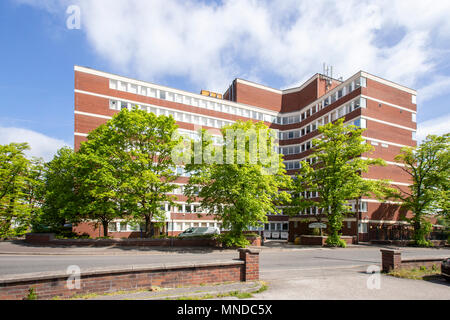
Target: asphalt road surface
{"type": "Point", "coordinates": [274, 263]}
{"type": "Point", "coordinates": [291, 273]}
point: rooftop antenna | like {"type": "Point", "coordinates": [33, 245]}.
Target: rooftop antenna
{"type": "Point", "coordinates": [327, 75]}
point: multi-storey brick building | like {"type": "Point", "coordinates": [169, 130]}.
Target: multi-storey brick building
{"type": "Point", "coordinates": [387, 110]}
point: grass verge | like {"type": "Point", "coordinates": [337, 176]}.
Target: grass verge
{"type": "Point", "coordinates": [421, 273]}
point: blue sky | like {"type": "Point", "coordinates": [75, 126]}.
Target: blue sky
{"type": "Point", "coordinates": [195, 45]}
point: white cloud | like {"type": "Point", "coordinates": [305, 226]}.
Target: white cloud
{"type": "Point", "coordinates": [440, 85]}
{"type": "Point", "coordinates": [209, 44]}
{"type": "Point", "coordinates": [41, 145]}
{"type": "Point", "coordinates": [436, 126]}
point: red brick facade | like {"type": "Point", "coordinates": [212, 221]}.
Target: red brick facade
{"type": "Point", "coordinates": [387, 113]}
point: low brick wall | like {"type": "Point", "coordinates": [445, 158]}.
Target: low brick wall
{"type": "Point", "coordinates": [49, 238]}
{"type": "Point", "coordinates": [321, 240]}
{"type": "Point", "coordinates": [57, 284]}
{"type": "Point", "coordinates": [39, 238]}
{"type": "Point", "coordinates": [391, 259]}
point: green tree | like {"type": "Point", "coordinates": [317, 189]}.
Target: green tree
{"type": "Point", "coordinates": [334, 172]}
{"type": "Point", "coordinates": [34, 189]}
{"type": "Point", "coordinates": [238, 181]}
{"type": "Point", "coordinates": [13, 172]}
{"type": "Point", "coordinates": [143, 144]}
{"type": "Point", "coordinates": [60, 203]}
{"type": "Point", "coordinates": [126, 170]}
{"type": "Point", "coordinates": [428, 166]}
{"type": "Point", "coordinates": [98, 179]}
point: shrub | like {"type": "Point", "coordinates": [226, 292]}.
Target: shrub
{"type": "Point", "coordinates": [233, 241]}
{"type": "Point", "coordinates": [31, 294]}
{"type": "Point", "coordinates": [251, 235]}
{"type": "Point", "coordinates": [423, 243]}
{"type": "Point", "coordinates": [335, 241]}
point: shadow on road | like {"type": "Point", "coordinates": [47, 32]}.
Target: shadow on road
{"type": "Point", "coordinates": [438, 279]}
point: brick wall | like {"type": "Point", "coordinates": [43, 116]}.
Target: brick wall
{"type": "Point", "coordinates": [254, 96]}
{"type": "Point", "coordinates": [391, 259]}
{"type": "Point", "coordinates": [55, 284]}
{"type": "Point", "coordinates": [321, 240]}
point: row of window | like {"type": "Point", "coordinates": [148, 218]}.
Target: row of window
{"type": "Point", "coordinates": [177, 115]}
{"type": "Point", "coordinates": [315, 210]}
{"type": "Point", "coordinates": [181, 226]}
{"type": "Point", "coordinates": [291, 165]}
{"type": "Point", "coordinates": [331, 116]}
{"type": "Point", "coordinates": [172, 226]}
{"type": "Point", "coordinates": [360, 82]}
{"type": "Point", "coordinates": [188, 100]}
{"type": "Point", "coordinates": [296, 149]}
{"type": "Point", "coordinates": [276, 226]}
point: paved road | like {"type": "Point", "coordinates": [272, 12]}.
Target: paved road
{"type": "Point", "coordinates": [352, 284]}
{"type": "Point", "coordinates": [274, 263]}
{"type": "Point", "coordinates": [292, 273]}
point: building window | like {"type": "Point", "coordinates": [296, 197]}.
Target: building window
{"type": "Point", "coordinates": [333, 98]}
{"type": "Point", "coordinates": [414, 99]}
{"type": "Point", "coordinates": [363, 82]}
{"type": "Point", "coordinates": [113, 104]}
{"type": "Point", "coordinates": [133, 88]}
{"type": "Point", "coordinates": [113, 84]}
{"type": "Point", "coordinates": [363, 227]}
{"type": "Point", "coordinates": [360, 82]}
{"type": "Point", "coordinates": [413, 115]}
{"type": "Point", "coordinates": [414, 136]}
{"type": "Point", "coordinates": [363, 102]}
{"type": "Point", "coordinates": [363, 206]}
{"type": "Point", "coordinates": [112, 227]}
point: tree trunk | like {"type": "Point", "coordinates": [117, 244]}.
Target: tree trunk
{"type": "Point", "coordinates": [105, 228]}
{"type": "Point", "coordinates": [148, 224]}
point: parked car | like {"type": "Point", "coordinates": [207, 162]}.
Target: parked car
{"type": "Point", "coordinates": [445, 269]}
{"type": "Point", "coordinates": [198, 232]}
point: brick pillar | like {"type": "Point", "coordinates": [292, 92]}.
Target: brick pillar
{"type": "Point", "coordinates": [251, 259]}
{"type": "Point", "coordinates": [391, 259]}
